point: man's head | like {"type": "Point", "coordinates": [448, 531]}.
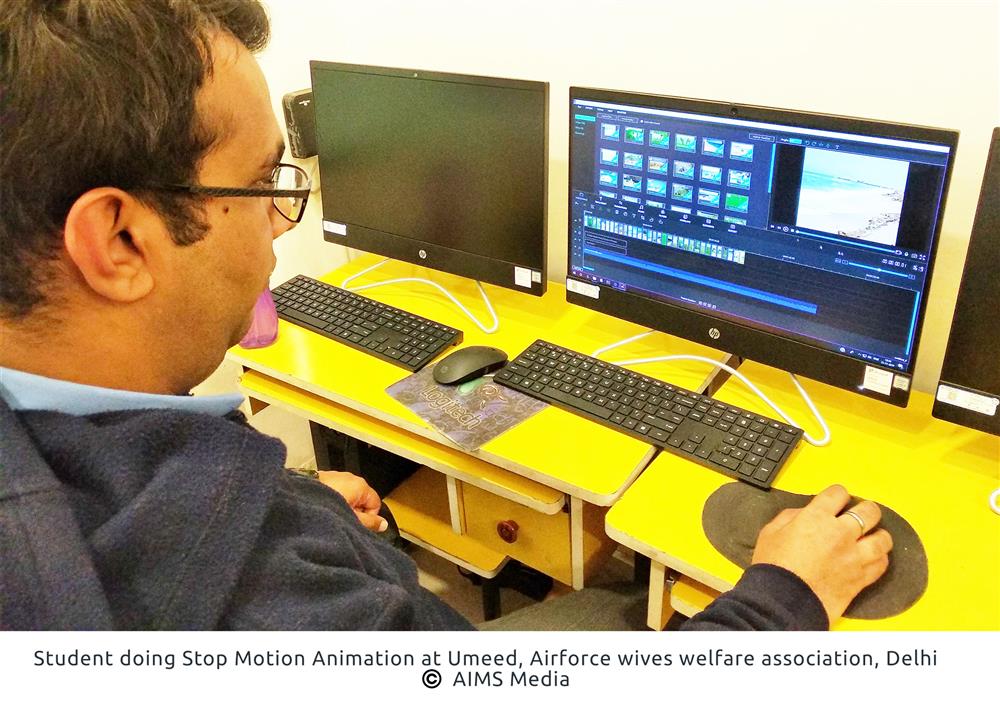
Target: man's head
{"type": "Point", "coordinates": [104, 103]}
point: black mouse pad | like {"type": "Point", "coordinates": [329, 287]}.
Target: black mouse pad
{"type": "Point", "coordinates": [735, 513]}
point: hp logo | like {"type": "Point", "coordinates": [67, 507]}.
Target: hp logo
{"type": "Point", "coordinates": [422, 253]}
{"type": "Point", "coordinates": [714, 333]}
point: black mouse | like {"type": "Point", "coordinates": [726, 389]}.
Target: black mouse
{"type": "Point", "coordinates": [467, 364]}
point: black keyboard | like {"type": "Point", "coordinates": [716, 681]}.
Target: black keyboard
{"type": "Point", "coordinates": [385, 332]}
{"type": "Point", "coordinates": [728, 439]}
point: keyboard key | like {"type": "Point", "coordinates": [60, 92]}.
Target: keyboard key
{"type": "Point", "coordinates": [563, 396]}
{"type": "Point", "coordinates": [725, 460]}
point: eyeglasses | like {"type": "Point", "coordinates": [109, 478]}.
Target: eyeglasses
{"type": "Point", "coordinates": [289, 190]}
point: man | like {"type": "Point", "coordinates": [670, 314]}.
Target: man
{"type": "Point", "coordinates": [137, 175]}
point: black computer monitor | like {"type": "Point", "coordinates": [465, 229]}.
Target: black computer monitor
{"type": "Point", "coordinates": [800, 240]}
{"type": "Point", "coordinates": [969, 391]}
{"type": "Point", "coordinates": [443, 170]}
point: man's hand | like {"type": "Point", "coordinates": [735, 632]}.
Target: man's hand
{"type": "Point", "coordinates": [359, 496]}
{"type": "Point", "coordinates": [833, 552]}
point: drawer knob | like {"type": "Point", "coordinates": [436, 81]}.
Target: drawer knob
{"type": "Point", "coordinates": [507, 530]}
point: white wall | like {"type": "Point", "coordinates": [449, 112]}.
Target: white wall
{"type": "Point", "coordinates": [931, 63]}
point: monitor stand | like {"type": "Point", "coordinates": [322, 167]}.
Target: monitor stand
{"type": "Point", "coordinates": [723, 370]}
{"type": "Point", "coordinates": [470, 315]}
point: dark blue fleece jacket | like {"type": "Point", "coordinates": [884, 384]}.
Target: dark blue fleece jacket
{"type": "Point", "coordinates": [158, 519]}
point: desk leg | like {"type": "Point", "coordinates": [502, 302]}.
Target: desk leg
{"type": "Point", "coordinates": [491, 599]}
{"type": "Point", "coordinates": [576, 540]}
{"type": "Point", "coordinates": [658, 609]}
{"type": "Point", "coordinates": [456, 506]}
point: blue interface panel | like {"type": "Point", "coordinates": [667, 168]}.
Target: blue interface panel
{"type": "Point", "coordinates": [824, 237]}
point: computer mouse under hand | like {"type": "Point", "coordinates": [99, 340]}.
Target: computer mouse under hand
{"type": "Point", "coordinates": [467, 364]}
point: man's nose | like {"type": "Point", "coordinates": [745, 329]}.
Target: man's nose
{"type": "Point", "coordinates": [279, 224]}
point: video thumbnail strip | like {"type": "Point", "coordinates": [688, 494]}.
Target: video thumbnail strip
{"type": "Point", "coordinates": [670, 240]}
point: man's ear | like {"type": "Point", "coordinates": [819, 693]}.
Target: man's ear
{"type": "Point", "coordinates": [109, 236]}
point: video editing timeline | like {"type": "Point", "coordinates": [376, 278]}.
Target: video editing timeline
{"type": "Point", "coordinates": [820, 236]}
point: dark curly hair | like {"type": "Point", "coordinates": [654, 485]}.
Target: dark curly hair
{"type": "Point", "coordinates": [101, 93]}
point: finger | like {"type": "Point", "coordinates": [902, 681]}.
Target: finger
{"type": "Point", "coordinates": [830, 500]}
{"type": "Point", "coordinates": [874, 570]}
{"type": "Point", "coordinates": [369, 500]}
{"type": "Point", "coordinates": [875, 545]}
{"type": "Point", "coordinates": [782, 519]}
{"type": "Point", "coordinates": [372, 521]}
{"type": "Point", "coordinates": [861, 518]}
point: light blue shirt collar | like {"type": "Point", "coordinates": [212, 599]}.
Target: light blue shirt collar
{"type": "Point", "coordinates": [27, 391]}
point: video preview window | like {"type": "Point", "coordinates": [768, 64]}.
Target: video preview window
{"type": "Point", "coordinates": [857, 196]}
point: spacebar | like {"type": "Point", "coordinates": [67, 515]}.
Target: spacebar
{"type": "Point", "coordinates": [307, 319]}
{"type": "Point", "coordinates": [575, 402]}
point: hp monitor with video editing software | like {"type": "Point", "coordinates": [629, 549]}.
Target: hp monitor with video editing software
{"type": "Point", "coordinates": [442, 170]}
{"type": "Point", "coordinates": [800, 240]}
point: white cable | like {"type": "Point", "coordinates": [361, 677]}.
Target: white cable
{"type": "Point", "coordinates": [363, 272]}
{"type": "Point", "coordinates": [995, 501]}
{"type": "Point", "coordinates": [470, 315]}
{"type": "Point", "coordinates": [605, 349]}
{"type": "Point", "coordinates": [718, 364]}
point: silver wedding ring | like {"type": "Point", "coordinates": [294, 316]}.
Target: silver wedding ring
{"type": "Point", "coordinates": [855, 516]}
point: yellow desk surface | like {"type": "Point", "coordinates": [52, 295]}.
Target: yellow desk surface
{"type": "Point", "coordinates": [937, 475]}
{"type": "Point", "coordinates": [556, 448]}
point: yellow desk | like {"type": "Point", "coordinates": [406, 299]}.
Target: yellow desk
{"type": "Point", "coordinates": [555, 474]}
{"type": "Point", "coordinates": [935, 474]}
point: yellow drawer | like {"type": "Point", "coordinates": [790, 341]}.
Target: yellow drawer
{"type": "Point", "coordinates": [536, 539]}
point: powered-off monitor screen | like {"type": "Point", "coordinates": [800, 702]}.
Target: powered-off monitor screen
{"type": "Point", "coordinates": [444, 170]}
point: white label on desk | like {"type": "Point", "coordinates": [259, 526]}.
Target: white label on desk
{"type": "Point", "coordinates": [583, 288]}
{"type": "Point", "coordinates": [878, 380]}
{"type": "Point", "coordinates": [522, 277]}
{"type": "Point", "coordinates": [901, 382]}
{"type": "Point", "coordinates": [338, 229]}
{"type": "Point", "coordinates": [968, 400]}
